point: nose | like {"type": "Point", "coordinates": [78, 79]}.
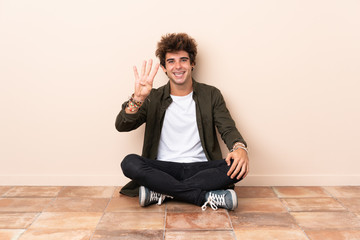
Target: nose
{"type": "Point", "coordinates": [177, 64]}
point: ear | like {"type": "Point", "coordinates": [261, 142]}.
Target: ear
{"type": "Point", "coordinates": [163, 68]}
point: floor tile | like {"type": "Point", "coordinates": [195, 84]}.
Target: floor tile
{"type": "Point", "coordinates": [300, 192]}
{"type": "Point", "coordinates": [115, 221]}
{"type": "Point", "coordinates": [262, 220]}
{"type": "Point", "coordinates": [4, 189]}
{"type": "Point", "coordinates": [78, 205]}
{"type": "Point", "coordinates": [23, 204]}
{"type": "Point", "coordinates": [209, 220]}
{"type": "Point", "coordinates": [326, 220]}
{"type": "Point", "coordinates": [199, 235]}
{"type": "Point", "coordinates": [260, 205]}
{"type": "Point", "coordinates": [56, 235]}
{"type": "Point", "coordinates": [334, 235]}
{"type": "Point", "coordinates": [312, 204]}
{"type": "Point", "coordinates": [16, 220]}
{"type": "Point", "coordinates": [32, 191]}
{"type": "Point", "coordinates": [71, 220]}
{"type": "Point", "coordinates": [96, 213]}
{"type": "Point", "coordinates": [90, 192]}
{"type": "Point", "coordinates": [352, 204]}
{"type": "Point", "coordinates": [117, 192]}
{"type": "Point", "coordinates": [10, 234]}
{"type": "Point", "coordinates": [344, 191]}
{"type": "Point", "coordinates": [270, 234]}
{"type": "Point", "coordinates": [130, 204]}
{"type": "Point", "coordinates": [255, 192]}
{"type": "Point", "coordinates": [176, 206]}
{"type": "Point", "coordinates": [128, 235]}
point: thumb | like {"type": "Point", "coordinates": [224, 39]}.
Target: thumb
{"type": "Point", "coordinates": [227, 159]}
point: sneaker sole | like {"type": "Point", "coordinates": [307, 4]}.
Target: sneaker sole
{"type": "Point", "coordinates": [234, 199]}
{"type": "Point", "coordinates": [142, 196]}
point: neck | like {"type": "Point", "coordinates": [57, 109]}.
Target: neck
{"type": "Point", "coordinates": [181, 90]}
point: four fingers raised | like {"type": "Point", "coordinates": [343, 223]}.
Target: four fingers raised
{"type": "Point", "coordinates": [146, 70]}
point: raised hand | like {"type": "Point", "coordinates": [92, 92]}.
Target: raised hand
{"type": "Point", "coordinates": [144, 82]}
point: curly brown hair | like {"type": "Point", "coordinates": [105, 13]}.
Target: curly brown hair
{"type": "Point", "coordinates": [173, 42]}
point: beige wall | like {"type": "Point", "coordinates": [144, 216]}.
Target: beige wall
{"type": "Point", "coordinates": [289, 71]}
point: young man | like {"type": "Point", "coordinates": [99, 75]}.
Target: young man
{"type": "Point", "coordinates": [181, 156]}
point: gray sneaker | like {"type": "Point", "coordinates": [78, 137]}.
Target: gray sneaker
{"type": "Point", "coordinates": [148, 197]}
{"type": "Point", "coordinates": [221, 198]}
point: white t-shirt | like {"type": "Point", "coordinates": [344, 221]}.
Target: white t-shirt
{"type": "Point", "coordinates": [180, 139]}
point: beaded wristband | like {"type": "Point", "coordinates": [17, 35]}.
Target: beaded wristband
{"type": "Point", "coordinates": [134, 105]}
{"type": "Point", "coordinates": [139, 103]}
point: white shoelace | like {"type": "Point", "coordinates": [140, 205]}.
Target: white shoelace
{"type": "Point", "coordinates": [154, 196]}
{"type": "Point", "coordinates": [162, 198]}
{"type": "Point", "coordinates": [214, 200]}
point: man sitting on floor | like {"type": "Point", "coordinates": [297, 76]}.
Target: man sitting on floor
{"type": "Point", "coordinates": [181, 155]}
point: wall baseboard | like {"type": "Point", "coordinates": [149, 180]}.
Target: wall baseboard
{"type": "Point", "coordinates": [300, 180]}
{"type": "Point", "coordinates": [120, 180]}
{"type": "Point", "coordinates": [63, 180]}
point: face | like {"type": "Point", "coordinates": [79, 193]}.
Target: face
{"type": "Point", "coordinates": [178, 67]}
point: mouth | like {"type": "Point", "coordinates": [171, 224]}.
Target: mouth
{"type": "Point", "coordinates": [178, 74]}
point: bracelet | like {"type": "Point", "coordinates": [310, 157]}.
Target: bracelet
{"type": "Point", "coordinates": [138, 103]}
{"type": "Point", "coordinates": [246, 150]}
{"type": "Point", "coordinates": [239, 143]}
{"type": "Point", "coordinates": [134, 105]}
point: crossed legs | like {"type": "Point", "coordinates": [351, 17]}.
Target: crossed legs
{"type": "Point", "coordinates": [188, 182]}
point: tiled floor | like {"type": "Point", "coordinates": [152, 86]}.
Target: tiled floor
{"type": "Point", "coordinates": [94, 213]}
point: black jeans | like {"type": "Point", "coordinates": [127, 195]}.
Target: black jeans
{"type": "Point", "coordinates": [187, 182]}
